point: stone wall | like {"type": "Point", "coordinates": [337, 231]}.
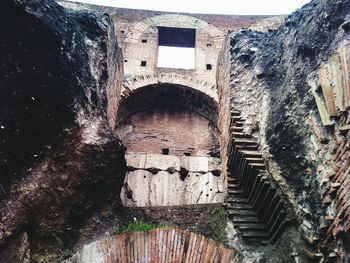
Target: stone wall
{"type": "Point", "coordinates": [59, 158]}
{"type": "Point", "coordinates": [283, 99]}
{"type": "Point", "coordinates": [179, 130]}
{"type": "Point", "coordinates": [208, 43]}
{"type": "Point", "coordinates": [276, 80]}
{"type": "Point", "coordinates": [138, 36]}
{"type": "Point", "coordinates": [224, 97]}
{"type": "Point", "coordinates": [168, 180]}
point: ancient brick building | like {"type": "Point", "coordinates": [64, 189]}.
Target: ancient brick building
{"type": "Point", "coordinates": [236, 152]}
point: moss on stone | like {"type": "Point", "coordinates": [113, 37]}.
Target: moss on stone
{"type": "Point", "coordinates": [140, 226]}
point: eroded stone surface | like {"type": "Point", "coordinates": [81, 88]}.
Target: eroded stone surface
{"type": "Point", "coordinates": [60, 82]}
{"type": "Point", "coordinates": [167, 180]}
{"type": "Point", "coordinates": [273, 80]}
{"type": "Point", "coordinates": [59, 90]}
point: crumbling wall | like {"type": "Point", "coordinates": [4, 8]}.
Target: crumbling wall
{"type": "Point", "coordinates": [168, 180]}
{"type": "Point", "coordinates": [274, 77]}
{"type": "Point", "coordinates": [172, 146]}
{"type": "Point", "coordinates": [178, 130]}
{"type": "Point", "coordinates": [59, 159]}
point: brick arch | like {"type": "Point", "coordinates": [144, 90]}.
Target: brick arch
{"type": "Point", "coordinates": [168, 94]}
{"type": "Point", "coordinates": [174, 20]}
{"type": "Point", "coordinates": [157, 245]}
{"type": "Point", "coordinates": [132, 84]}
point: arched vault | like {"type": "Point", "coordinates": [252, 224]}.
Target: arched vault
{"type": "Point", "coordinates": [168, 94]}
{"type": "Point", "coordinates": [132, 84]}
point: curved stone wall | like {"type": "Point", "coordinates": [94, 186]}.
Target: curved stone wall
{"type": "Point", "coordinates": [132, 84]}
{"type": "Point", "coordinates": [168, 94]}
{"type": "Point", "coordinates": [159, 245]}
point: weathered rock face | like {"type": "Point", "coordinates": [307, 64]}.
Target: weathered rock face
{"type": "Point", "coordinates": [273, 78]}
{"type": "Point", "coordinates": [284, 98]}
{"type": "Point", "coordinates": [59, 159]}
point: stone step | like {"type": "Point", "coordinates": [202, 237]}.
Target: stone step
{"type": "Point", "coordinates": [237, 129]}
{"type": "Point", "coordinates": [255, 160]}
{"type": "Point", "coordinates": [235, 113]}
{"type": "Point", "coordinates": [251, 226]}
{"type": "Point", "coordinates": [245, 141]}
{"type": "Point", "coordinates": [239, 206]}
{"type": "Point", "coordinates": [236, 118]}
{"type": "Point", "coordinates": [257, 241]}
{"type": "Point", "coordinates": [231, 179]}
{"type": "Point", "coordinates": [245, 219]}
{"type": "Point", "coordinates": [232, 186]}
{"type": "Point", "coordinates": [241, 135]}
{"type": "Point", "coordinates": [235, 192]}
{"type": "Point", "coordinates": [247, 147]}
{"type": "Point", "coordinates": [239, 123]}
{"type": "Point", "coordinates": [235, 200]}
{"type": "Point", "coordinates": [258, 195]}
{"type": "Point", "coordinates": [237, 212]}
{"type": "Point", "coordinates": [260, 166]}
{"type": "Point", "coordinates": [254, 154]}
{"type": "Point", "coordinates": [258, 235]}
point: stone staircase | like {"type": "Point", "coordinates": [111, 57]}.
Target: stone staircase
{"type": "Point", "coordinates": [159, 245]}
{"type": "Point", "coordinates": [253, 202]}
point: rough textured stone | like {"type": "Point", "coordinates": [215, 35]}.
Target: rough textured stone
{"type": "Point", "coordinates": [59, 157]}
{"type": "Point", "coordinates": [274, 78]}
{"type": "Point", "coordinates": [281, 106]}
{"type": "Point", "coordinates": [166, 180]}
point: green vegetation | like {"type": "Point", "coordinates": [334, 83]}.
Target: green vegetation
{"type": "Point", "coordinates": [209, 220]}
{"type": "Point", "coordinates": [140, 226]}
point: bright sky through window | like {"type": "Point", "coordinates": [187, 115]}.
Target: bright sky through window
{"type": "Point", "coordinates": [176, 57]}
{"type": "Point", "coordinates": [176, 47]}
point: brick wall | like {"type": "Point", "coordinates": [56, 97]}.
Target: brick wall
{"type": "Point", "coordinates": [180, 130]}
{"type": "Point", "coordinates": [131, 34]}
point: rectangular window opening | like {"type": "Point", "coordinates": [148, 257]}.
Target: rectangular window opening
{"type": "Point", "coordinates": [143, 63]}
{"type": "Point", "coordinates": [209, 67]}
{"type": "Point", "coordinates": [144, 40]}
{"type": "Point", "coordinates": [165, 151]}
{"type": "Point", "coordinates": [176, 47]}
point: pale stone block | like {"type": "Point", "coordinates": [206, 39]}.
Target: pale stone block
{"type": "Point", "coordinates": [195, 163]}
{"type": "Point", "coordinates": [214, 164]}
{"type": "Point", "coordinates": [136, 160]}
{"type": "Point", "coordinates": [162, 162]}
{"type": "Point", "coordinates": [203, 189]}
{"type": "Point", "coordinates": [138, 184]}
{"type": "Point", "coordinates": [147, 161]}
{"type": "Point", "coordinates": [165, 189]}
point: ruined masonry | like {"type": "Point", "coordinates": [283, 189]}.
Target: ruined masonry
{"type": "Point", "coordinates": [143, 136]}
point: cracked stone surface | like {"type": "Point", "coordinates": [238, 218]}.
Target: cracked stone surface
{"type": "Point", "coordinates": [167, 180]}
